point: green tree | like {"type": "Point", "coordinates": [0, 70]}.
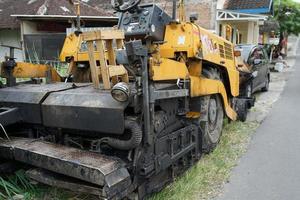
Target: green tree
{"type": "Point", "coordinates": [287, 13]}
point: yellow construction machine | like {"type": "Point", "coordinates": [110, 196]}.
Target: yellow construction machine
{"type": "Point", "coordinates": [157, 92]}
{"type": "Point", "coordinates": [11, 70]}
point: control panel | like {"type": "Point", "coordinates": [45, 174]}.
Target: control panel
{"type": "Point", "coordinates": [146, 22]}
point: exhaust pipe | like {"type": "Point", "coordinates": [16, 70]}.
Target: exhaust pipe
{"type": "Point", "coordinates": [174, 10]}
{"type": "Point", "coordinates": [133, 142]}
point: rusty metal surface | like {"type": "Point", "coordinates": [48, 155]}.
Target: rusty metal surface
{"type": "Point", "coordinates": [65, 182]}
{"type": "Point", "coordinates": [105, 171]}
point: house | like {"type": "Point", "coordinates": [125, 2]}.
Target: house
{"type": "Point", "coordinates": [9, 31]}
{"type": "Point", "coordinates": [269, 32]}
{"type": "Point", "coordinates": [38, 27]}
{"type": "Point", "coordinates": [240, 20]}
{"type": "Point", "coordinates": [250, 6]}
{"type": "Point", "coordinates": [43, 36]}
{"type": "Point", "coordinates": [206, 10]}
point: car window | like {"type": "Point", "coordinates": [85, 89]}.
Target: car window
{"type": "Point", "coordinates": [256, 54]}
{"type": "Point", "coordinates": [245, 51]}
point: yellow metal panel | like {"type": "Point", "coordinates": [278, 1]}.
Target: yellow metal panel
{"type": "Point", "coordinates": [193, 115]}
{"type": "Point", "coordinates": [234, 79]}
{"type": "Point", "coordinates": [195, 68]}
{"type": "Point", "coordinates": [178, 38]}
{"type": "Point", "coordinates": [55, 77]}
{"type": "Point", "coordinates": [71, 47]}
{"type": "Point", "coordinates": [202, 86]}
{"type": "Point", "coordinates": [168, 69]}
{"type": "Point", "coordinates": [212, 47]}
{"type": "Point", "coordinates": [29, 70]}
{"type": "Point", "coordinates": [200, 43]}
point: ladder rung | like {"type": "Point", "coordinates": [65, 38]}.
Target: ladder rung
{"type": "Point", "coordinates": [103, 35]}
{"type": "Point", "coordinates": [116, 70]}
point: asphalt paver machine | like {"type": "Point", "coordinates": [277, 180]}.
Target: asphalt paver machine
{"type": "Point", "coordinates": [153, 101]}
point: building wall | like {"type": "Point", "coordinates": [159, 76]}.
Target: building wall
{"type": "Point", "coordinates": [206, 9]}
{"type": "Point", "coordinates": [28, 27]}
{"type": "Point", "coordinates": [248, 30]}
{"type": "Point", "coordinates": [242, 28]}
{"type": "Point", "coordinates": [41, 45]}
{"type": "Point", "coordinates": [44, 39]}
{"type": "Point", "coordinates": [220, 4]}
{"type": "Point", "coordinates": [253, 33]}
{"type": "Point", "coordinates": [10, 38]}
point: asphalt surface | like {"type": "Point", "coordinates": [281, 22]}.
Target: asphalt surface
{"type": "Point", "coordinates": [270, 170]}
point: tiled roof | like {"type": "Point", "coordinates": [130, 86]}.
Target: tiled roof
{"type": "Point", "coordinates": [246, 4]}
{"type": "Point", "coordinates": [49, 7]}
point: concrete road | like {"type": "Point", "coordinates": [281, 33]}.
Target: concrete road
{"type": "Point", "coordinates": [270, 170]}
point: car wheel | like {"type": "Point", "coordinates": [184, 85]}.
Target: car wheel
{"type": "Point", "coordinates": [213, 110]}
{"type": "Point", "coordinates": [212, 127]}
{"type": "Point", "coordinates": [241, 110]}
{"type": "Point", "coordinates": [267, 84]}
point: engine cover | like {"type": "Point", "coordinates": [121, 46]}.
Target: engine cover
{"type": "Point", "coordinates": [63, 105]}
{"type": "Point", "coordinates": [84, 109]}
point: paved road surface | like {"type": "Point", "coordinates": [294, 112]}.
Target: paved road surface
{"type": "Point", "coordinates": [270, 170]}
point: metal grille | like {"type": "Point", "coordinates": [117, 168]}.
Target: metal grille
{"type": "Point", "coordinates": [222, 52]}
{"type": "Point", "coordinates": [228, 51]}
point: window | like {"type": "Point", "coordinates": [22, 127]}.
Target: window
{"type": "Point", "coordinates": [257, 54]}
{"type": "Point", "coordinates": [42, 48]}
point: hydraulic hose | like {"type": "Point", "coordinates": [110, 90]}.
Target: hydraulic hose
{"type": "Point", "coordinates": [133, 142]}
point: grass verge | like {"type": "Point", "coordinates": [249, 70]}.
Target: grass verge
{"type": "Point", "coordinates": [19, 187]}
{"type": "Point", "coordinates": [203, 181]}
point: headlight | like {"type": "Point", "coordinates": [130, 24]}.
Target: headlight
{"type": "Point", "coordinates": [120, 92]}
{"type": "Point", "coordinates": [82, 65]}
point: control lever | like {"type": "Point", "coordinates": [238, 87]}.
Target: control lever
{"type": "Point", "coordinates": [124, 6]}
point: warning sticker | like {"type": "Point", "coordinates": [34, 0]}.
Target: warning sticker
{"type": "Point", "coordinates": [181, 40]}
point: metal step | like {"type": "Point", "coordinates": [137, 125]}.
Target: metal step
{"type": "Point", "coordinates": [107, 172]}
{"type": "Point", "coordinates": [64, 182]}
